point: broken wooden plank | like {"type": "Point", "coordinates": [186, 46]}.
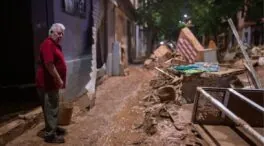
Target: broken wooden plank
{"type": "Point", "coordinates": [243, 50]}
{"type": "Point", "coordinates": [164, 72]}
{"type": "Point", "coordinates": [228, 72]}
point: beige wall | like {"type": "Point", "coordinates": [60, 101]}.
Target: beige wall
{"type": "Point", "coordinates": [120, 27]}
{"type": "Point", "coordinates": [121, 32]}
{"type": "Point", "coordinates": [110, 22]}
{"type": "Point", "coordinates": [117, 30]}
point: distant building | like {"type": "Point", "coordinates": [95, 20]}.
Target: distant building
{"type": "Point", "coordinates": [251, 25]}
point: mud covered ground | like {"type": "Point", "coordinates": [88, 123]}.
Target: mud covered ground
{"type": "Point", "coordinates": [120, 118]}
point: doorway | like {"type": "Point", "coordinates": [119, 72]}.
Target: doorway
{"type": "Point", "coordinates": [27, 25]}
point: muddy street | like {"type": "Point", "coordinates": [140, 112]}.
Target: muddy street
{"type": "Point", "coordinates": [140, 110]}
{"type": "Point", "coordinates": [166, 101]}
{"type": "Point", "coordinates": [119, 117]}
{"type": "Point", "coordinates": [112, 119]}
{"type": "Point", "coordinates": [133, 73]}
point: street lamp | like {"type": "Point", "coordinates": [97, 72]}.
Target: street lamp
{"type": "Point", "coordinates": [185, 15]}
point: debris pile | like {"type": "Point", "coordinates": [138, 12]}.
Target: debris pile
{"type": "Point", "coordinates": [234, 55]}
{"type": "Point", "coordinates": [257, 51]}
{"type": "Point", "coordinates": [180, 72]}
{"type": "Point", "coordinates": [163, 57]}
{"type": "Point", "coordinates": [163, 121]}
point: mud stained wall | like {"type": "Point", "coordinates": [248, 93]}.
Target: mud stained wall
{"type": "Point", "coordinates": [121, 33]}
{"type": "Point", "coordinates": [110, 24]}
{"type": "Point", "coordinates": [76, 46]}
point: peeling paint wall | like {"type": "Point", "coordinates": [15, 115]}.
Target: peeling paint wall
{"type": "Point", "coordinates": [121, 34]}
{"type": "Point", "coordinates": [98, 18]}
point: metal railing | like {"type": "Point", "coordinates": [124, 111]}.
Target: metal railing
{"type": "Point", "coordinates": [237, 120]}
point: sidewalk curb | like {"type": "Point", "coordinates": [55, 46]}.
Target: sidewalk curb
{"type": "Point", "coordinates": [28, 121]}
{"type": "Point", "coordinates": [17, 127]}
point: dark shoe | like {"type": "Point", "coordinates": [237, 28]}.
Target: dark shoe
{"type": "Point", "coordinates": [61, 131]}
{"type": "Point", "coordinates": [54, 139]}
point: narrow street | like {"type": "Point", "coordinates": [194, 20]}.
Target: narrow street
{"type": "Point", "coordinates": [112, 119]}
{"type": "Point", "coordinates": [120, 117]}
{"type": "Point", "coordinates": [133, 73]}
{"type": "Point", "coordinates": [125, 115]}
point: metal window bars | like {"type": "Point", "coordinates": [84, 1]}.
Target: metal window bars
{"type": "Point", "coordinates": [227, 112]}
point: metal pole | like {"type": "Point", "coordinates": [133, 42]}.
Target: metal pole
{"type": "Point", "coordinates": [243, 49]}
{"type": "Point", "coordinates": [232, 116]}
{"type": "Point", "coordinates": [250, 102]}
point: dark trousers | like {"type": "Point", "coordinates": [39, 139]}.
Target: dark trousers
{"type": "Point", "coordinates": [50, 106]}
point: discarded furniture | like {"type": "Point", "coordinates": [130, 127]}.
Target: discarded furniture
{"type": "Point", "coordinates": [222, 78]}
{"type": "Point", "coordinates": [192, 50]}
{"type": "Point", "coordinates": [240, 108]}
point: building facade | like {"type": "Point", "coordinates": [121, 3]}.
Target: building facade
{"type": "Point", "coordinates": [92, 29]}
{"type": "Point", "coordinates": [30, 20]}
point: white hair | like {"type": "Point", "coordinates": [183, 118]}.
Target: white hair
{"type": "Point", "coordinates": [55, 27]}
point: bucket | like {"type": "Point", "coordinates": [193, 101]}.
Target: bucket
{"type": "Point", "coordinates": [65, 113]}
{"type": "Point", "coordinates": [166, 93]}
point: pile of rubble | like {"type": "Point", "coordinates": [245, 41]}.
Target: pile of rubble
{"type": "Point", "coordinates": [164, 92]}
{"type": "Point", "coordinates": [232, 66]}
{"type": "Point", "coordinates": [234, 55]}
{"type": "Point", "coordinates": [163, 57]}
{"type": "Point", "coordinates": [257, 52]}
{"type": "Point", "coordinates": [163, 120]}
{"type": "Point", "coordinates": [179, 74]}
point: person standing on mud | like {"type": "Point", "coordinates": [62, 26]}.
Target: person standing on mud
{"type": "Point", "coordinates": [50, 78]}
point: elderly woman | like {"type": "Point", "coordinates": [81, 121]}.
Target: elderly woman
{"type": "Point", "coordinates": [50, 78]}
